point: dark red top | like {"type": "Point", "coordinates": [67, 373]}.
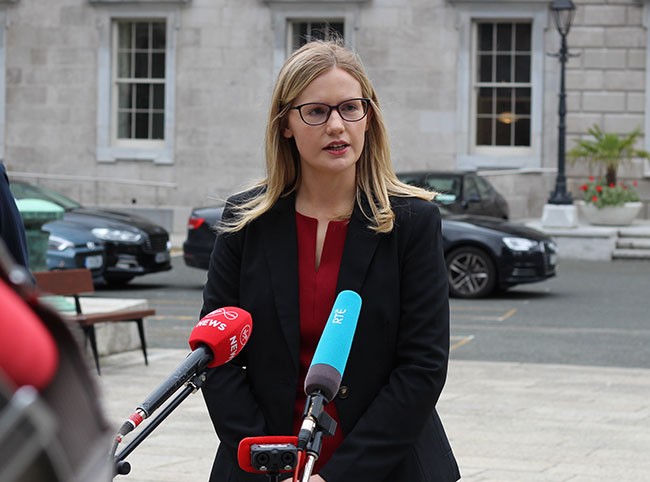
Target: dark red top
{"type": "Point", "coordinates": [317, 295]}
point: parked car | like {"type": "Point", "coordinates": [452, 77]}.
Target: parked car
{"type": "Point", "coordinates": [461, 192]}
{"type": "Point", "coordinates": [116, 246]}
{"type": "Point", "coordinates": [484, 254]}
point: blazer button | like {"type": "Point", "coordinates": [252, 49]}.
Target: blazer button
{"type": "Point", "coordinates": [344, 392]}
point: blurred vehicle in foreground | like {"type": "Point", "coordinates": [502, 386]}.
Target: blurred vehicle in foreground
{"type": "Point", "coordinates": [461, 192]}
{"type": "Point", "coordinates": [484, 254]}
{"type": "Point", "coordinates": [116, 246]}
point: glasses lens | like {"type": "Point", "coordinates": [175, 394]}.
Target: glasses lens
{"type": "Point", "coordinates": [314, 114]}
{"type": "Point", "coordinates": [353, 110]}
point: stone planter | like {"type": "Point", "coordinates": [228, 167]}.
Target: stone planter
{"type": "Point", "coordinates": [610, 215]}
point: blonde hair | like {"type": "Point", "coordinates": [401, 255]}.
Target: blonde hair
{"type": "Point", "coordinates": [375, 176]}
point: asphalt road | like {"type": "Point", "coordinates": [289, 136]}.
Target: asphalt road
{"type": "Point", "coordinates": [592, 313]}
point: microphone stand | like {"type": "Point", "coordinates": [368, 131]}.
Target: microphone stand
{"type": "Point", "coordinates": [122, 467]}
{"type": "Point", "coordinates": [312, 441]}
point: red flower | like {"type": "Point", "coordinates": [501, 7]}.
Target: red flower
{"type": "Point", "coordinates": [592, 178]}
{"type": "Point", "coordinates": [584, 187]}
{"type": "Point", "coordinates": [611, 184]}
{"type": "Point", "coordinates": [634, 183]}
{"type": "Point", "coordinates": [594, 199]}
{"type": "Point", "coordinates": [599, 188]}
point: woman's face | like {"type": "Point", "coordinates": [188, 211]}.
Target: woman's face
{"type": "Point", "coordinates": [334, 147]}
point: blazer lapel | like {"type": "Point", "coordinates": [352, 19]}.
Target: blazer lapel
{"type": "Point", "coordinates": [360, 246]}
{"type": "Point", "coordinates": [281, 250]}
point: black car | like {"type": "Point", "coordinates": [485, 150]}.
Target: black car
{"type": "Point", "coordinates": [483, 254]}
{"type": "Point", "coordinates": [114, 245]}
{"type": "Point", "coordinates": [461, 192]}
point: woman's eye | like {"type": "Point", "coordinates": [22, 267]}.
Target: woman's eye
{"type": "Point", "coordinates": [316, 110]}
{"type": "Point", "coordinates": [350, 107]}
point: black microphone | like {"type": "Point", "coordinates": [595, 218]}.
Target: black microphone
{"type": "Point", "coordinates": [215, 340]}
{"type": "Point", "coordinates": [324, 376]}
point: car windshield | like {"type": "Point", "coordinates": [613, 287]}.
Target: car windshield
{"type": "Point", "coordinates": [29, 191]}
{"type": "Point", "coordinates": [444, 185]}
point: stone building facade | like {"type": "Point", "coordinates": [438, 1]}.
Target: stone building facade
{"type": "Point", "coordinates": [159, 106]}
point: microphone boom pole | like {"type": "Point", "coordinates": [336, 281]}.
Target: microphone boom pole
{"type": "Point", "coordinates": [121, 466]}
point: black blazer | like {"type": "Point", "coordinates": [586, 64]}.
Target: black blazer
{"type": "Point", "coordinates": [398, 361]}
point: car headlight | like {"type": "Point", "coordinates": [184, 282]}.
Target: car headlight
{"type": "Point", "coordinates": [520, 244]}
{"type": "Point", "coordinates": [116, 235]}
{"type": "Point", "coordinates": [58, 243]}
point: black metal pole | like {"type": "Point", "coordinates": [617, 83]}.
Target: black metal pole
{"type": "Point", "coordinates": [560, 194]}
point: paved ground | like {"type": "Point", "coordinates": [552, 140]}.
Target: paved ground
{"type": "Point", "coordinates": [507, 422]}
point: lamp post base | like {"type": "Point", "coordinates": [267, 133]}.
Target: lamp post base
{"type": "Point", "coordinates": [560, 216]}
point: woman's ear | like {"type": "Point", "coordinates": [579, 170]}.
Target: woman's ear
{"type": "Point", "coordinates": [287, 133]}
{"type": "Point", "coordinates": [368, 119]}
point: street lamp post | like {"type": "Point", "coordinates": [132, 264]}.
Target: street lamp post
{"type": "Point", "coordinates": [563, 12]}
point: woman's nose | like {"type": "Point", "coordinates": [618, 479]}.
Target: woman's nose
{"type": "Point", "coordinates": [335, 122]}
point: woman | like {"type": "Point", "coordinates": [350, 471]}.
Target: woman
{"type": "Point", "coordinates": [331, 215]}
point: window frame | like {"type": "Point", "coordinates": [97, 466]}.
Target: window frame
{"type": "Point", "coordinates": [283, 14]}
{"type": "Point", "coordinates": [476, 85]}
{"type": "Point", "coordinates": [108, 148]}
{"type": "Point", "coordinates": [471, 156]}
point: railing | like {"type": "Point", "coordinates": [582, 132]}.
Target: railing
{"type": "Point", "coordinates": [160, 188]}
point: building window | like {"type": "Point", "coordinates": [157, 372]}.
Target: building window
{"type": "Point", "coordinates": [139, 66]}
{"type": "Point", "coordinates": [301, 32]}
{"type": "Point", "coordinates": [501, 70]}
{"type": "Point", "coordinates": [297, 21]}
{"type": "Point", "coordinates": [136, 76]}
{"type": "Point", "coordinates": [503, 84]}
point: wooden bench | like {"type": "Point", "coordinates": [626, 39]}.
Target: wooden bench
{"type": "Point", "coordinates": [74, 282]}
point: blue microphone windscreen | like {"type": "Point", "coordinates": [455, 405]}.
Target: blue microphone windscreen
{"type": "Point", "coordinates": [335, 342]}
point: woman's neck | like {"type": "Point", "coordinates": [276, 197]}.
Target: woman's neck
{"type": "Point", "coordinates": [324, 200]}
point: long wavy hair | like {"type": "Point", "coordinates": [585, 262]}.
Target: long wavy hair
{"type": "Point", "coordinates": [375, 177]}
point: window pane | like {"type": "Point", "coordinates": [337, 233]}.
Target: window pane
{"type": "Point", "coordinates": [484, 102]}
{"type": "Point", "coordinates": [124, 65]}
{"type": "Point", "coordinates": [158, 66]}
{"type": "Point", "coordinates": [125, 100]}
{"type": "Point", "coordinates": [504, 63]}
{"type": "Point", "coordinates": [124, 125]}
{"type": "Point", "coordinates": [141, 126]}
{"type": "Point", "coordinates": [302, 32]}
{"type": "Point", "coordinates": [142, 36]}
{"type": "Point", "coordinates": [484, 132]}
{"type": "Point", "coordinates": [124, 34]}
{"type": "Point", "coordinates": [158, 96]}
{"type": "Point", "coordinates": [485, 68]}
{"type": "Point", "coordinates": [504, 37]}
{"type": "Point", "coordinates": [522, 132]}
{"type": "Point", "coordinates": [522, 37]}
{"type": "Point", "coordinates": [522, 101]}
{"type": "Point", "coordinates": [504, 100]}
{"type": "Point", "coordinates": [485, 37]}
{"type": "Point", "coordinates": [158, 126]}
{"type": "Point", "coordinates": [141, 66]}
{"type": "Point", "coordinates": [142, 96]}
{"type": "Point", "coordinates": [158, 36]}
{"type": "Point", "coordinates": [502, 134]}
{"type": "Point", "coordinates": [522, 68]}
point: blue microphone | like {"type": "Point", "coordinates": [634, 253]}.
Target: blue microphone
{"type": "Point", "coordinates": [328, 364]}
{"type": "Point", "coordinates": [324, 376]}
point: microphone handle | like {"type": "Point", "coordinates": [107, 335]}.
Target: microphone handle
{"type": "Point", "coordinates": [195, 362]}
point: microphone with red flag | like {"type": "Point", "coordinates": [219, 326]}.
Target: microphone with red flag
{"type": "Point", "coordinates": [215, 340]}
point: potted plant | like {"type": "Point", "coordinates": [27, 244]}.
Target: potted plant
{"type": "Point", "coordinates": [605, 200]}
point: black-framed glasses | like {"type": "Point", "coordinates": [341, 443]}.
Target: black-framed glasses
{"type": "Point", "coordinates": [316, 113]}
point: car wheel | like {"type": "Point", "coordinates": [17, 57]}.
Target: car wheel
{"type": "Point", "coordinates": [471, 273]}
